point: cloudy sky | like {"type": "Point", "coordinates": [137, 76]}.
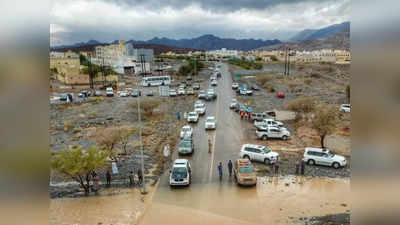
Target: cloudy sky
{"type": "Point", "coordinates": [107, 20]}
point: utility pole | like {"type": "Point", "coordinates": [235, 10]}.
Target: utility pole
{"type": "Point", "coordinates": [90, 71]}
{"type": "Point", "coordinates": [288, 66]}
{"type": "Point", "coordinates": [140, 140]}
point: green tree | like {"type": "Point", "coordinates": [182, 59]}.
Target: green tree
{"type": "Point", "coordinates": [324, 121]}
{"type": "Point", "coordinates": [78, 164]}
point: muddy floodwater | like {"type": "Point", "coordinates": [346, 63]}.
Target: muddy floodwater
{"type": "Point", "coordinates": [273, 201]}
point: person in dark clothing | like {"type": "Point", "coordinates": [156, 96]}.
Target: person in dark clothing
{"type": "Point", "coordinates": [272, 166]}
{"type": "Point", "coordinates": [131, 178]}
{"type": "Point", "coordinates": [220, 170]}
{"type": "Point", "coordinates": [277, 167]}
{"type": "Point", "coordinates": [297, 167]}
{"type": "Point", "coordinates": [178, 116]}
{"type": "Point", "coordinates": [230, 166]}
{"type": "Point", "coordinates": [303, 167]}
{"type": "Point", "coordinates": [139, 173]}
{"type": "Point", "coordinates": [108, 178]}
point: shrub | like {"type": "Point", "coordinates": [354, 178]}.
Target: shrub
{"type": "Point", "coordinates": [263, 79]}
{"type": "Point", "coordinates": [308, 81]}
{"type": "Point", "coordinates": [149, 105]}
{"type": "Point", "coordinates": [301, 105]}
{"type": "Point", "coordinates": [67, 125]}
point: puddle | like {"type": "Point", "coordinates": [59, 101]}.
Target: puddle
{"type": "Point", "coordinates": [123, 206]}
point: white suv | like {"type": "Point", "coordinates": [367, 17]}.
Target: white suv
{"type": "Point", "coordinates": [258, 153]}
{"type": "Point", "coordinates": [181, 173]}
{"type": "Point", "coordinates": [323, 157]}
{"type": "Point", "coordinates": [186, 131]}
{"type": "Point", "coordinates": [266, 132]}
{"type": "Point", "coordinates": [200, 108]}
{"type": "Point", "coordinates": [193, 117]}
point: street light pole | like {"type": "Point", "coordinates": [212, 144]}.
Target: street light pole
{"type": "Point", "coordinates": [140, 139]}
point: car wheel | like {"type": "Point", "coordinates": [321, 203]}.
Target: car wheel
{"type": "Point", "coordinates": [284, 138]}
{"type": "Point", "coordinates": [311, 162]}
{"type": "Point", "coordinates": [246, 157]}
{"type": "Point", "coordinates": [267, 161]}
{"type": "Point", "coordinates": [265, 137]}
{"type": "Point", "coordinates": [336, 165]}
{"type": "Point", "coordinates": [148, 85]}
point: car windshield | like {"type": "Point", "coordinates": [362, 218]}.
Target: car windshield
{"type": "Point", "coordinates": [185, 129]}
{"type": "Point", "coordinates": [246, 169]}
{"type": "Point", "coordinates": [210, 120]}
{"type": "Point", "coordinates": [198, 106]}
{"type": "Point", "coordinates": [192, 114]}
{"type": "Point", "coordinates": [179, 172]}
{"type": "Point", "coordinates": [330, 154]}
{"type": "Point", "coordinates": [185, 144]}
{"type": "Point", "coordinates": [266, 150]}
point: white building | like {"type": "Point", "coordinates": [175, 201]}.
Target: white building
{"type": "Point", "coordinates": [223, 53]}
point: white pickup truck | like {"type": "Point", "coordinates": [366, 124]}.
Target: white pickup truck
{"type": "Point", "coordinates": [267, 132]}
{"type": "Point", "coordinates": [267, 122]}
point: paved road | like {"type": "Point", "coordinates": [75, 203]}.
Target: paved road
{"type": "Point", "coordinates": [226, 138]}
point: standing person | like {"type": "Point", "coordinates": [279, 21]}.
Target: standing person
{"type": "Point", "coordinates": [139, 173]}
{"type": "Point", "coordinates": [220, 170]}
{"type": "Point", "coordinates": [272, 166]}
{"type": "Point", "coordinates": [131, 178]}
{"type": "Point", "coordinates": [297, 167]}
{"type": "Point", "coordinates": [96, 185]}
{"type": "Point", "coordinates": [108, 178]}
{"type": "Point", "coordinates": [241, 114]}
{"type": "Point", "coordinates": [68, 99]}
{"type": "Point", "coordinates": [209, 145]}
{"type": "Point", "coordinates": [303, 165]}
{"type": "Point", "coordinates": [277, 167]}
{"type": "Point", "coordinates": [249, 115]}
{"type": "Point", "coordinates": [178, 116]}
{"type": "Point", "coordinates": [230, 166]}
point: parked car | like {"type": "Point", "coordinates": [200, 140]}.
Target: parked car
{"type": "Point", "coordinates": [189, 78]}
{"type": "Point", "coordinates": [196, 86]}
{"type": "Point", "coordinates": [258, 153]}
{"type": "Point", "coordinates": [320, 156]}
{"type": "Point", "coordinates": [244, 91]}
{"type": "Point", "coordinates": [263, 115]}
{"type": "Point", "coordinates": [190, 91]}
{"type": "Point", "coordinates": [123, 94]}
{"type": "Point", "coordinates": [200, 109]}
{"type": "Point", "coordinates": [182, 85]}
{"type": "Point", "coordinates": [240, 107]}
{"type": "Point", "coordinates": [233, 104]}
{"type": "Point", "coordinates": [149, 93]}
{"type": "Point", "coordinates": [186, 131]}
{"type": "Point", "coordinates": [172, 92]}
{"type": "Point", "coordinates": [186, 146]}
{"type": "Point", "coordinates": [266, 132]}
{"type": "Point", "coordinates": [212, 93]}
{"type": "Point", "coordinates": [280, 95]}
{"type": "Point", "coordinates": [136, 93]}
{"type": "Point", "coordinates": [244, 172]}
{"type": "Point", "coordinates": [255, 87]}
{"type": "Point", "coordinates": [181, 173]}
{"type": "Point", "coordinates": [84, 94]}
{"type": "Point", "coordinates": [268, 122]}
{"type": "Point", "coordinates": [98, 93]}
{"type": "Point", "coordinates": [211, 123]}
{"type": "Point", "coordinates": [219, 75]}
{"type": "Point", "coordinates": [214, 83]}
{"type": "Point", "coordinates": [345, 108]}
{"type": "Point", "coordinates": [109, 92]}
{"type": "Point", "coordinates": [202, 94]}
{"type": "Point", "coordinates": [193, 117]}
{"type": "Point", "coordinates": [181, 91]}
{"type": "Point", "coordinates": [235, 85]}
{"type": "Point", "coordinates": [63, 97]}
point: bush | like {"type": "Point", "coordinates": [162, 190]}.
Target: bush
{"type": "Point", "coordinates": [308, 81]}
{"type": "Point", "coordinates": [263, 79]}
{"type": "Point", "coordinates": [149, 105]}
{"type": "Point", "coordinates": [301, 105]}
{"type": "Point", "coordinates": [67, 125]}
{"type": "Point", "coordinates": [315, 75]}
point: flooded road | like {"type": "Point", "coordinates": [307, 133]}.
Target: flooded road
{"type": "Point", "coordinates": [123, 207]}
{"type": "Point", "coordinates": [273, 201]}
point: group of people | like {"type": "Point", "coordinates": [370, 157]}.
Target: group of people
{"type": "Point", "coordinates": [220, 169]}
{"type": "Point", "coordinates": [245, 114]}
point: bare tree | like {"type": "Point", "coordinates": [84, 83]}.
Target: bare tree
{"type": "Point", "coordinates": [107, 138]}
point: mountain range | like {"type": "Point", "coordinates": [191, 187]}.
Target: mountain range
{"type": "Point", "coordinates": [310, 34]}
{"type": "Point", "coordinates": [211, 42]}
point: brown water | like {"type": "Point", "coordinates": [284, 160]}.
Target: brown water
{"type": "Point", "coordinates": [271, 202]}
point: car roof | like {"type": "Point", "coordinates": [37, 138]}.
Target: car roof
{"type": "Point", "coordinates": [186, 126]}
{"type": "Point", "coordinates": [253, 146]}
{"type": "Point", "coordinates": [181, 161]}
{"type": "Point", "coordinates": [316, 149]}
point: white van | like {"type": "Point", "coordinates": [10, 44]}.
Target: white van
{"type": "Point", "coordinates": [109, 92]}
{"type": "Point", "coordinates": [181, 173]}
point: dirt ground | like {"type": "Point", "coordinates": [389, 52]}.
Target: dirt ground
{"type": "Point", "coordinates": [324, 83]}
